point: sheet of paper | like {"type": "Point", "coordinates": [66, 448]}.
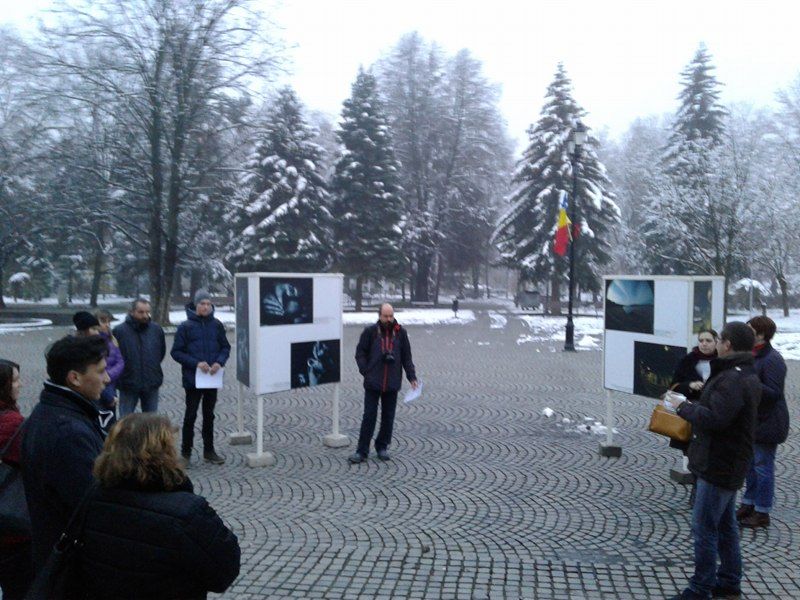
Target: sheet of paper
{"type": "Point", "coordinates": [413, 394]}
{"type": "Point", "coordinates": [207, 381]}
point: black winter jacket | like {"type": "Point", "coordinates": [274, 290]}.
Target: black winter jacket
{"type": "Point", "coordinates": [773, 414]}
{"type": "Point", "coordinates": [199, 339]}
{"type": "Point", "coordinates": [155, 545]}
{"type": "Point", "coordinates": [143, 347]}
{"type": "Point", "coordinates": [63, 436]}
{"type": "Point", "coordinates": [374, 342]}
{"type": "Point", "coordinates": [723, 421]}
{"type": "Point", "coordinates": [686, 373]}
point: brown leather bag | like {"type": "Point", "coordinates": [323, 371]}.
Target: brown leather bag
{"type": "Point", "coordinates": [668, 423]}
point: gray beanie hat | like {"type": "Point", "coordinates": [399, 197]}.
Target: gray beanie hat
{"type": "Point", "coordinates": [201, 295]}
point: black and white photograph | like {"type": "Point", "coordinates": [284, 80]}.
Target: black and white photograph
{"type": "Point", "coordinates": [242, 332]}
{"type": "Point", "coordinates": [630, 305]}
{"type": "Point", "coordinates": [654, 365]}
{"type": "Point", "coordinates": [315, 363]}
{"type": "Point", "coordinates": [701, 314]}
{"type": "Point", "coordinates": [286, 300]}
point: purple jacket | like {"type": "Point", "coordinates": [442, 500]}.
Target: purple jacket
{"type": "Point", "coordinates": [115, 364]}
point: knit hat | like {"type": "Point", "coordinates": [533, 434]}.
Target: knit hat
{"type": "Point", "coordinates": [200, 296]}
{"type": "Point", "coordinates": [84, 320]}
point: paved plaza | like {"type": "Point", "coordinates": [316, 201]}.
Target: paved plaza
{"type": "Point", "coordinates": [485, 496]}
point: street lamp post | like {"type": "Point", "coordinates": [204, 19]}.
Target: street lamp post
{"type": "Point", "coordinates": [576, 140]}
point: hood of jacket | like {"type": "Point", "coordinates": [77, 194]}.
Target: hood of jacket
{"type": "Point", "coordinates": [736, 359]}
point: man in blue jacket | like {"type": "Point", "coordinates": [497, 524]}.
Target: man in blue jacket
{"type": "Point", "coordinates": [382, 353]}
{"type": "Point", "coordinates": [143, 347]}
{"type": "Point", "coordinates": [200, 343]}
{"type": "Point", "coordinates": [63, 436]}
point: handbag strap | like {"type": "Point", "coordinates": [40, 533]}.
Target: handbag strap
{"type": "Point", "coordinates": [11, 441]}
{"type": "Point", "coordinates": [74, 529]}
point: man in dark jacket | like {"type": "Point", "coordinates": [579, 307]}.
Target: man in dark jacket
{"type": "Point", "coordinates": [772, 427]}
{"type": "Point", "coordinates": [723, 428]}
{"type": "Point", "coordinates": [382, 353]}
{"type": "Point", "coordinates": [143, 347]}
{"type": "Point", "coordinates": [200, 343]}
{"type": "Point", "coordinates": [63, 436]}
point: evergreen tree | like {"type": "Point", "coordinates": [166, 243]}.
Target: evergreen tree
{"type": "Point", "coordinates": [367, 207]}
{"type": "Point", "coordinates": [282, 216]}
{"type": "Point", "coordinates": [684, 191]}
{"type": "Point", "coordinates": [525, 233]}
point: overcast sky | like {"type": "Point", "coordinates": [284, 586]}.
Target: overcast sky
{"type": "Point", "coordinates": [624, 57]}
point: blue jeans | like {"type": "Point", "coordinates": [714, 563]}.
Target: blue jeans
{"type": "Point", "coordinates": [716, 533]}
{"type": "Point", "coordinates": [760, 488]}
{"type": "Point", "coordinates": [129, 400]}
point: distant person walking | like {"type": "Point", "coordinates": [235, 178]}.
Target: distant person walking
{"type": "Point", "coordinates": [200, 343]}
{"type": "Point", "coordinates": [723, 428]}
{"type": "Point", "coordinates": [143, 348]}
{"type": "Point", "coordinates": [147, 534]}
{"type": "Point", "coordinates": [772, 427]}
{"type": "Point", "coordinates": [16, 570]}
{"type": "Point", "coordinates": [455, 307]}
{"type": "Point", "coordinates": [383, 352]}
{"type": "Point", "coordinates": [62, 438]}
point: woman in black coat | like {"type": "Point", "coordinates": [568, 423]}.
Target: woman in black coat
{"type": "Point", "coordinates": [772, 427]}
{"type": "Point", "coordinates": [147, 535]}
{"type": "Point", "coordinates": [693, 371]}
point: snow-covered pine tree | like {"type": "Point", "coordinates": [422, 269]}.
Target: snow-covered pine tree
{"type": "Point", "coordinates": [525, 232]}
{"type": "Point", "coordinates": [682, 193]}
{"type": "Point", "coordinates": [282, 216]}
{"type": "Point", "coordinates": [367, 208]}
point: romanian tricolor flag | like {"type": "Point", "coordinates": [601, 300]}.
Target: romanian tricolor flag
{"type": "Point", "coordinates": [563, 233]}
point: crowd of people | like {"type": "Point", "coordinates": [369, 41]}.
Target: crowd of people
{"type": "Point", "coordinates": [86, 455]}
{"type": "Point", "coordinates": [733, 396]}
{"type": "Point", "coordinates": [143, 531]}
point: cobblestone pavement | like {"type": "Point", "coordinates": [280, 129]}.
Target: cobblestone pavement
{"type": "Point", "coordinates": [485, 497]}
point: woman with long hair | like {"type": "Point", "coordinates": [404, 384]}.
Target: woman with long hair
{"type": "Point", "coordinates": [16, 570]}
{"type": "Point", "coordinates": [147, 534]}
{"type": "Point", "coordinates": [692, 372]}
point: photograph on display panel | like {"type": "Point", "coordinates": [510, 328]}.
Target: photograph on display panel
{"type": "Point", "coordinates": [653, 367]}
{"type": "Point", "coordinates": [242, 332]}
{"type": "Point", "coordinates": [630, 305]}
{"type": "Point", "coordinates": [701, 315]}
{"type": "Point", "coordinates": [315, 363]}
{"type": "Point", "coordinates": [286, 300]}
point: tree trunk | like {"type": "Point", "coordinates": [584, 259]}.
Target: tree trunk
{"type": "Point", "coordinates": [476, 281]}
{"type": "Point", "coordinates": [194, 282]}
{"type": "Point", "coordinates": [2, 285]}
{"type": "Point", "coordinates": [784, 294]}
{"type": "Point", "coordinates": [421, 278]}
{"type": "Point", "coordinates": [555, 296]}
{"type": "Point", "coordinates": [359, 293]}
{"type": "Point", "coordinates": [439, 270]}
{"type": "Point", "coordinates": [488, 291]}
{"type": "Point", "coordinates": [97, 273]}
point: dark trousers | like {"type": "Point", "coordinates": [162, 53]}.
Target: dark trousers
{"type": "Point", "coordinates": [16, 570]}
{"type": "Point", "coordinates": [388, 402]}
{"type": "Point", "coordinates": [193, 399]}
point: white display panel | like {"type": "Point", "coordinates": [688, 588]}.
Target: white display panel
{"type": "Point", "coordinates": [647, 334]}
{"type": "Point", "coordinates": [295, 330]}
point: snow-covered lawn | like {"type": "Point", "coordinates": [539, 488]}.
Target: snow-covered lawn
{"type": "Point", "coordinates": [588, 330]}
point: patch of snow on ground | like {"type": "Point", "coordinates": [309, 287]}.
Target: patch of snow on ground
{"type": "Point", "coordinates": [23, 326]}
{"type": "Point", "coordinates": [432, 316]}
{"type": "Point", "coordinates": [548, 412]}
{"type": "Point", "coordinates": [498, 321]}
{"type": "Point", "coordinates": [596, 428]}
{"type": "Point", "coordinates": [588, 330]}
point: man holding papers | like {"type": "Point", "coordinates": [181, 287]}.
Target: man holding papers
{"type": "Point", "coordinates": [383, 353]}
{"type": "Point", "coordinates": [202, 348]}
